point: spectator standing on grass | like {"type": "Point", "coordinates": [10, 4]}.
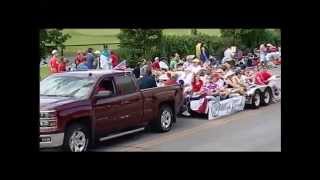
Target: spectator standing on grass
{"type": "Point", "coordinates": [79, 58]}
{"type": "Point", "coordinates": [105, 59]}
{"type": "Point", "coordinates": [62, 64]}
{"type": "Point", "coordinates": [114, 59]}
{"type": "Point", "coordinates": [90, 59]}
{"type": "Point", "coordinates": [97, 60]}
{"type": "Point", "coordinates": [83, 66]}
{"type": "Point", "coordinates": [198, 49]}
{"type": "Point", "coordinates": [54, 62]}
{"type": "Point", "coordinates": [204, 54]}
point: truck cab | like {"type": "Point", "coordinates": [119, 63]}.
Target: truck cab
{"type": "Point", "coordinates": [78, 109]}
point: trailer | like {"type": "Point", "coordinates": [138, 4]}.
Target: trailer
{"type": "Point", "coordinates": [262, 95]}
{"type": "Point", "coordinates": [256, 96]}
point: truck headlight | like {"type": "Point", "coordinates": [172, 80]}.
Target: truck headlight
{"type": "Point", "coordinates": [48, 119]}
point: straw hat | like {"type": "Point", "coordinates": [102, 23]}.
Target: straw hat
{"type": "Point", "coordinates": [196, 60]}
{"type": "Point", "coordinates": [54, 52]}
{"type": "Point", "coordinates": [229, 73]}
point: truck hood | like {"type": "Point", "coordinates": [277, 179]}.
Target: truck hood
{"type": "Point", "coordinates": [47, 102]}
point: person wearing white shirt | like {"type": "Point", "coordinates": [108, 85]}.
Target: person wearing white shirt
{"type": "Point", "coordinates": [195, 67]}
{"type": "Point", "coordinates": [228, 54]}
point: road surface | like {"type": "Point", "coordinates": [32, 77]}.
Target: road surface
{"type": "Point", "coordinates": [249, 130]}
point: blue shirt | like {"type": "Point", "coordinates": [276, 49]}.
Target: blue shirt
{"type": "Point", "coordinates": [90, 59]}
{"type": "Point", "coordinates": [82, 67]}
{"type": "Point", "coordinates": [147, 82]}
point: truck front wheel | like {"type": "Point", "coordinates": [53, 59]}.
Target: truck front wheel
{"type": "Point", "coordinates": [165, 119]}
{"type": "Point", "coordinates": [77, 138]}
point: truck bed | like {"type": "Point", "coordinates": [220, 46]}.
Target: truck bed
{"type": "Point", "coordinates": [153, 97]}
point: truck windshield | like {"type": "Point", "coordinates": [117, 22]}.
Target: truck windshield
{"type": "Point", "coordinates": [66, 86]}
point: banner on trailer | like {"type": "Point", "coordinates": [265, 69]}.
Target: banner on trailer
{"type": "Point", "coordinates": [225, 107]}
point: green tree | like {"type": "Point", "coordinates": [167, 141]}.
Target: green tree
{"type": "Point", "coordinates": [53, 38]}
{"type": "Point", "coordinates": [194, 32]}
{"type": "Point", "coordinates": [232, 36]}
{"type": "Point", "coordinates": [251, 37]}
{"type": "Point", "coordinates": [139, 43]}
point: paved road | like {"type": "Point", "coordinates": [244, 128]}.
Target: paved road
{"type": "Point", "coordinates": [249, 130]}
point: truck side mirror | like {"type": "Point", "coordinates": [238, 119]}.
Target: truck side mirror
{"type": "Point", "coordinates": [103, 94]}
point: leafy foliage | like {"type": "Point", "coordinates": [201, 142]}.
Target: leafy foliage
{"type": "Point", "coordinates": [51, 39]}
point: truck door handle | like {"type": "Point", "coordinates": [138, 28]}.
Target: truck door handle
{"type": "Point", "coordinates": [123, 117]}
{"type": "Point", "coordinates": [125, 102]}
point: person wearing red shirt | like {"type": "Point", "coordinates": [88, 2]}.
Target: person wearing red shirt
{"type": "Point", "coordinates": [197, 84]}
{"type": "Point", "coordinates": [62, 65]}
{"type": "Point", "coordinates": [155, 65]}
{"type": "Point", "coordinates": [54, 62]}
{"type": "Point", "coordinates": [172, 80]}
{"type": "Point", "coordinates": [79, 58]}
{"type": "Point", "coordinates": [114, 59]}
{"type": "Point", "coordinates": [262, 77]}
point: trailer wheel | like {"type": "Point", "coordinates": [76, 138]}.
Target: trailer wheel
{"type": "Point", "coordinates": [266, 97]}
{"type": "Point", "coordinates": [256, 99]}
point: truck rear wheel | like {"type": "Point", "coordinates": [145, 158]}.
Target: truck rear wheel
{"type": "Point", "coordinates": [165, 120]}
{"type": "Point", "coordinates": [77, 138]}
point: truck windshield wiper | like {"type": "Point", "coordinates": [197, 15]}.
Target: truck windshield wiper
{"type": "Point", "coordinates": [54, 95]}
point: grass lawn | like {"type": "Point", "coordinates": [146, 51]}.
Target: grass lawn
{"type": "Point", "coordinates": [44, 72]}
{"type": "Point", "coordinates": [96, 36]}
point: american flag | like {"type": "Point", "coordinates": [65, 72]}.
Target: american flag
{"type": "Point", "coordinates": [121, 66]}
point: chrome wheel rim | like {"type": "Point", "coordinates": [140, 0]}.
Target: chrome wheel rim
{"type": "Point", "coordinates": [165, 119]}
{"type": "Point", "coordinates": [77, 141]}
{"type": "Point", "coordinates": [257, 99]}
{"type": "Point", "coordinates": [266, 97]}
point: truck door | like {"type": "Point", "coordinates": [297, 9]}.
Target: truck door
{"type": "Point", "coordinates": [131, 106]}
{"type": "Point", "coordinates": [106, 109]}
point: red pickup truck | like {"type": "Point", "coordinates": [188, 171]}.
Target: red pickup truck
{"type": "Point", "coordinates": [78, 109]}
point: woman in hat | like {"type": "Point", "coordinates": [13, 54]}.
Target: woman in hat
{"type": "Point", "coordinates": [196, 67]}
{"type": "Point", "coordinates": [234, 84]}
{"type": "Point", "coordinates": [54, 62]}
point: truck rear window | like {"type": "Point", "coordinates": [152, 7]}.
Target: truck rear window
{"type": "Point", "coordinates": [125, 85]}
